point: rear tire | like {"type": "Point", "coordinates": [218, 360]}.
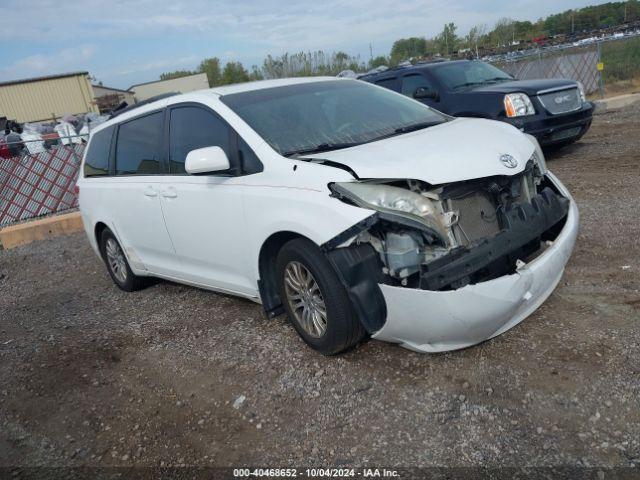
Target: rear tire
{"type": "Point", "coordinates": [315, 300]}
{"type": "Point", "coordinates": [118, 265]}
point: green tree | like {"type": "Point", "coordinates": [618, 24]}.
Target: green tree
{"type": "Point", "coordinates": [378, 61]}
{"type": "Point", "coordinates": [407, 48]}
{"type": "Point", "coordinates": [211, 66]}
{"type": "Point", "coordinates": [234, 72]}
{"type": "Point", "coordinates": [503, 32]}
{"type": "Point", "coordinates": [475, 38]}
{"type": "Point", "coordinates": [449, 39]}
{"type": "Point", "coordinates": [255, 73]}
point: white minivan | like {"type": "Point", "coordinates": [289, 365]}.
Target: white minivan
{"type": "Point", "coordinates": [356, 210]}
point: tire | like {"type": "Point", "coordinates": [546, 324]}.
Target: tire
{"type": "Point", "coordinates": [119, 269]}
{"type": "Point", "coordinates": [342, 330]}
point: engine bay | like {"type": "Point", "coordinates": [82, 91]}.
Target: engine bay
{"type": "Point", "coordinates": [473, 231]}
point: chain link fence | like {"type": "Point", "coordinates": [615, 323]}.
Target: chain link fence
{"type": "Point", "coordinates": [36, 184]}
{"type": "Point", "coordinates": [595, 64]}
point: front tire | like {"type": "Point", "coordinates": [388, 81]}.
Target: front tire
{"type": "Point", "coordinates": [118, 265]}
{"type": "Point", "coordinates": [316, 302]}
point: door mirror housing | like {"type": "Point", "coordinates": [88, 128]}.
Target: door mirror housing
{"type": "Point", "coordinates": [206, 160]}
{"type": "Point", "coordinates": [425, 93]}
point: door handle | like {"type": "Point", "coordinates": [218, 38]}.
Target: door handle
{"type": "Point", "coordinates": [169, 193]}
{"type": "Point", "coordinates": [150, 192]}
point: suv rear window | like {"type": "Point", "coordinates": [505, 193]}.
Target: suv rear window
{"type": "Point", "coordinates": [389, 83]}
{"type": "Point", "coordinates": [139, 145]}
{"type": "Point", "coordinates": [96, 162]}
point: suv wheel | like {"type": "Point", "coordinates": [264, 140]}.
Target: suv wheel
{"type": "Point", "coordinates": [315, 301]}
{"type": "Point", "coordinates": [117, 264]}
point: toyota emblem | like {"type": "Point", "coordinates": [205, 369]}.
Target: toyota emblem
{"type": "Point", "coordinates": [508, 161]}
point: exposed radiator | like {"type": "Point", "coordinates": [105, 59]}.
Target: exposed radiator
{"type": "Point", "coordinates": [476, 217]}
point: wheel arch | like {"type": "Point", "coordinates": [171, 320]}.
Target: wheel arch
{"type": "Point", "coordinates": [97, 231]}
{"type": "Point", "coordinates": [267, 281]}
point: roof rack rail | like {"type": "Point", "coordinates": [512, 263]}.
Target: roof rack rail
{"type": "Point", "coordinates": [124, 107]}
{"type": "Point", "coordinates": [433, 60]}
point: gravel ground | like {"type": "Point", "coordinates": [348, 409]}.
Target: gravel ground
{"type": "Point", "coordinates": [172, 375]}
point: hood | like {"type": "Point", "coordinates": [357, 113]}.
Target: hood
{"type": "Point", "coordinates": [462, 149]}
{"type": "Point", "coordinates": [530, 87]}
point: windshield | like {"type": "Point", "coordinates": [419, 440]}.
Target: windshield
{"type": "Point", "coordinates": [468, 74]}
{"type": "Point", "coordinates": [328, 115]}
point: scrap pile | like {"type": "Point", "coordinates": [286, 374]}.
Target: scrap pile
{"type": "Point", "coordinates": [17, 139]}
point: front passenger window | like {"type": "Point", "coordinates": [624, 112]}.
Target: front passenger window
{"type": "Point", "coordinates": [411, 83]}
{"type": "Point", "coordinates": [192, 128]}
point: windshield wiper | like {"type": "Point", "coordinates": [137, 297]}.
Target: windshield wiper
{"type": "Point", "coordinates": [468, 84]}
{"type": "Point", "coordinates": [415, 126]}
{"type": "Point", "coordinates": [497, 79]}
{"type": "Point", "coordinates": [323, 147]}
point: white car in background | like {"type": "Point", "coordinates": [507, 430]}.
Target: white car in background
{"type": "Point", "coordinates": [356, 210]}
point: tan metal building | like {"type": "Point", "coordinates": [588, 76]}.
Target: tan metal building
{"type": "Point", "coordinates": [186, 84]}
{"type": "Point", "coordinates": [45, 98]}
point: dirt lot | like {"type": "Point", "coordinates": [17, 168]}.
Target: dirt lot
{"type": "Point", "coordinates": [172, 375]}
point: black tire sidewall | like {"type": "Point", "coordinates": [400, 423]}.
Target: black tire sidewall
{"type": "Point", "coordinates": [129, 285]}
{"type": "Point", "coordinates": [343, 329]}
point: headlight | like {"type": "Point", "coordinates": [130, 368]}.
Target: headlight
{"type": "Point", "coordinates": [518, 105]}
{"type": "Point", "coordinates": [399, 201]}
{"type": "Point", "coordinates": [583, 97]}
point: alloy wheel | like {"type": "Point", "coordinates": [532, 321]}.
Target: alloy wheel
{"type": "Point", "coordinates": [115, 259]}
{"type": "Point", "coordinates": [305, 299]}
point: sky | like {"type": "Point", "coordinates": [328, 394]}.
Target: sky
{"type": "Point", "coordinates": [124, 42]}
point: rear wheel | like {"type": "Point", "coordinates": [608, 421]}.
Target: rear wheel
{"type": "Point", "coordinates": [315, 301]}
{"type": "Point", "coordinates": [117, 264]}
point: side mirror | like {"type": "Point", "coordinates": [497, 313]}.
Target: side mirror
{"type": "Point", "coordinates": [206, 160]}
{"type": "Point", "coordinates": [425, 93]}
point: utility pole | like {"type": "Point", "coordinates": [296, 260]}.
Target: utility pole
{"type": "Point", "coordinates": [625, 12]}
{"type": "Point", "coordinates": [370, 51]}
{"type": "Point", "coordinates": [573, 15]}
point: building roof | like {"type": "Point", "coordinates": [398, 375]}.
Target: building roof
{"type": "Point", "coordinates": [38, 79]}
{"type": "Point", "coordinates": [166, 80]}
{"type": "Point", "coordinates": [110, 88]}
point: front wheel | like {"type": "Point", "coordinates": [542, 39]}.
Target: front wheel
{"type": "Point", "coordinates": [316, 302]}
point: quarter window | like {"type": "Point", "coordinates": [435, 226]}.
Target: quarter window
{"type": "Point", "coordinates": [139, 145]}
{"type": "Point", "coordinates": [192, 128]}
{"type": "Point", "coordinates": [96, 162]}
{"type": "Point", "coordinates": [389, 83]}
{"type": "Point", "coordinates": [411, 83]}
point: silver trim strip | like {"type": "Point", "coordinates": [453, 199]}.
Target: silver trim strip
{"type": "Point", "coordinates": [557, 89]}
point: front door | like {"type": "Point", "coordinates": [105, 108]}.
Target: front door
{"type": "Point", "coordinates": [204, 213]}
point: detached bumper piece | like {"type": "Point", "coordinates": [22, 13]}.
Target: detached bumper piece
{"type": "Point", "coordinates": [523, 226]}
{"type": "Point", "coordinates": [360, 271]}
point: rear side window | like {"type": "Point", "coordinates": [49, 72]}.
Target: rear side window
{"type": "Point", "coordinates": [96, 162]}
{"type": "Point", "coordinates": [411, 83]}
{"type": "Point", "coordinates": [139, 145]}
{"type": "Point", "coordinates": [192, 128]}
{"type": "Point", "coordinates": [389, 83]}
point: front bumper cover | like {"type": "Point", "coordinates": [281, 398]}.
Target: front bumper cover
{"type": "Point", "coordinates": [436, 321]}
{"type": "Point", "coordinates": [548, 128]}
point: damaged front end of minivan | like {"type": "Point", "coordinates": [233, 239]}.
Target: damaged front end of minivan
{"type": "Point", "coordinates": [412, 268]}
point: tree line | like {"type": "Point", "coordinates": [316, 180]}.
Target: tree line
{"type": "Point", "coordinates": [505, 32]}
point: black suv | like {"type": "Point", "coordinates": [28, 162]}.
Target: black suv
{"type": "Point", "coordinates": [556, 112]}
